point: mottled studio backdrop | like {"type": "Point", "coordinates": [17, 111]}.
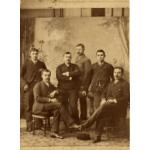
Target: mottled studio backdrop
{"type": "Point", "coordinates": [54, 36]}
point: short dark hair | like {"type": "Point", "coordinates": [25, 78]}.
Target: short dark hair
{"type": "Point", "coordinates": [45, 70]}
{"type": "Point", "coordinates": [67, 53]}
{"type": "Point", "coordinates": [82, 45]}
{"type": "Point", "coordinates": [120, 68]}
{"type": "Point", "coordinates": [102, 51]}
{"type": "Point", "coordinates": [33, 49]}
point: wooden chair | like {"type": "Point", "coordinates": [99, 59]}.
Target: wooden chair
{"type": "Point", "coordinates": [45, 117]}
{"type": "Point", "coordinates": [115, 124]}
{"type": "Point", "coordinates": [110, 126]}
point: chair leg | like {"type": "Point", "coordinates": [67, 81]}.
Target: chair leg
{"type": "Point", "coordinates": [44, 123]}
{"type": "Point", "coordinates": [107, 132]}
{"type": "Point", "coordinates": [33, 126]}
{"type": "Point", "coordinates": [49, 125]}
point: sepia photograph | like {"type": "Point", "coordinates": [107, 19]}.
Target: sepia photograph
{"type": "Point", "coordinates": [74, 74]}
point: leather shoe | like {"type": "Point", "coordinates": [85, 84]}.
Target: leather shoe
{"type": "Point", "coordinates": [74, 126]}
{"type": "Point", "coordinates": [29, 127]}
{"type": "Point", "coordinates": [97, 139]}
{"type": "Point", "coordinates": [55, 135]}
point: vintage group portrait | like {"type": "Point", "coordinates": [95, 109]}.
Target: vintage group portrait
{"type": "Point", "coordinates": [74, 74]}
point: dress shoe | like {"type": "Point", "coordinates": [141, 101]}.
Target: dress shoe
{"type": "Point", "coordinates": [29, 127]}
{"type": "Point", "coordinates": [55, 135]}
{"type": "Point", "coordinates": [97, 139]}
{"type": "Point", "coordinates": [74, 126]}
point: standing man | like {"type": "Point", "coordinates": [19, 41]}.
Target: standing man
{"type": "Point", "coordinates": [30, 75]}
{"type": "Point", "coordinates": [84, 65]}
{"type": "Point", "coordinates": [68, 82]}
{"type": "Point", "coordinates": [102, 74]}
{"type": "Point", "coordinates": [45, 96]}
{"type": "Point", "coordinates": [114, 104]}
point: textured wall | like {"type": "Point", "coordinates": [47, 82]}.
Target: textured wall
{"type": "Point", "coordinates": [32, 4]}
{"type": "Point", "coordinates": [62, 34]}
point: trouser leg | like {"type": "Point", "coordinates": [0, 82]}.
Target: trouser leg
{"type": "Point", "coordinates": [103, 110]}
{"type": "Point", "coordinates": [22, 108]}
{"type": "Point", "coordinates": [29, 99]}
{"type": "Point", "coordinates": [97, 113]}
{"type": "Point", "coordinates": [83, 108]}
{"type": "Point", "coordinates": [64, 100]}
{"type": "Point", "coordinates": [59, 111]}
{"type": "Point", "coordinates": [99, 127]}
{"type": "Point", "coordinates": [54, 107]}
{"type": "Point", "coordinates": [108, 111]}
{"type": "Point", "coordinates": [66, 116]}
{"type": "Point", "coordinates": [73, 109]}
{"type": "Point", "coordinates": [97, 100]}
{"type": "Point", "coordinates": [56, 121]}
{"type": "Point", "coordinates": [91, 105]}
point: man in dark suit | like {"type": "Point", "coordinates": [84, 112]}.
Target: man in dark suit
{"type": "Point", "coordinates": [45, 96]}
{"type": "Point", "coordinates": [84, 65]}
{"type": "Point", "coordinates": [30, 75]}
{"type": "Point", "coordinates": [114, 103]}
{"type": "Point", "coordinates": [101, 75]}
{"type": "Point", "coordinates": [68, 82]}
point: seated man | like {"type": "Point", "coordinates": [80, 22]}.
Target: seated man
{"type": "Point", "coordinates": [114, 103]}
{"type": "Point", "coordinates": [44, 96]}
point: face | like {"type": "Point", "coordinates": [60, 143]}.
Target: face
{"type": "Point", "coordinates": [79, 50]}
{"type": "Point", "coordinates": [117, 74]}
{"type": "Point", "coordinates": [67, 58]}
{"type": "Point", "coordinates": [46, 76]}
{"type": "Point", "coordinates": [34, 55]}
{"type": "Point", "coordinates": [100, 56]}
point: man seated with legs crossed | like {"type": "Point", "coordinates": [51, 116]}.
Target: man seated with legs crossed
{"type": "Point", "coordinates": [114, 103]}
{"type": "Point", "coordinates": [45, 101]}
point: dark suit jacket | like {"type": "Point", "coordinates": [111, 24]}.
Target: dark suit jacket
{"type": "Point", "coordinates": [31, 73]}
{"type": "Point", "coordinates": [84, 65]}
{"type": "Point", "coordinates": [121, 92]}
{"type": "Point", "coordinates": [101, 76]}
{"type": "Point", "coordinates": [41, 96]}
{"type": "Point", "coordinates": [63, 81]}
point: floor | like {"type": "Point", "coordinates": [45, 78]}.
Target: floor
{"type": "Point", "coordinates": [39, 142]}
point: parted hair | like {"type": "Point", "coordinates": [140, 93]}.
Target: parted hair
{"type": "Point", "coordinates": [67, 53]}
{"type": "Point", "coordinates": [101, 50]}
{"type": "Point", "coordinates": [82, 45]}
{"type": "Point", "coordinates": [45, 70]}
{"type": "Point", "coordinates": [33, 49]}
{"type": "Point", "coordinates": [120, 68]}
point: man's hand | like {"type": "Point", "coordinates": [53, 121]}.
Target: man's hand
{"type": "Point", "coordinates": [112, 101]}
{"type": "Point", "coordinates": [103, 101]}
{"type": "Point", "coordinates": [115, 101]}
{"type": "Point", "coordinates": [26, 87]}
{"type": "Point", "coordinates": [52, 94]}
{"type": "Point", "coordinates": [65, 74]}
{"type": "Point", "coordinates": [40, 70]}
{"type": "Point", "coordinates": [83, 93]}
{"type": "Point", "coordinates": [90, 95]}
{"type": "Point", "coordinates": [54, 100]}
{"type": "Point", "coordinates": [70, 78]}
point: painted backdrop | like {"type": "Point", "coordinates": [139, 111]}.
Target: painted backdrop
{"type": "Point", "coordinates": [54, 36]}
